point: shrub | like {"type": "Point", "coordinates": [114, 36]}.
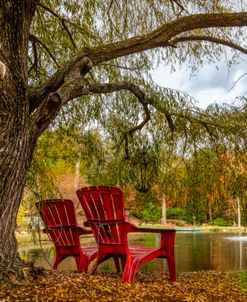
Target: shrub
{"type": "Point", "coordinates": [175, 213]}
{"type": "Point", "coordinates": [147, 209]}
{"type": "Point", "coordinates": [21, 220]}
{"type": "Point", "coordinates": [151, 213]}
{"type": "Point", "coordinates": [218, 222]}
{"type": "Point", "coordinates": [194, 211]}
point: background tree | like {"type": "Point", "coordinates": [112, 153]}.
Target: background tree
{"type": "Point", "coordinates": [56, 52]}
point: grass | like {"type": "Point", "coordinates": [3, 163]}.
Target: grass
{"type": "Point", "coordinates": [32, 240]}
{"type": "Point", "coordinates": [241, 276]}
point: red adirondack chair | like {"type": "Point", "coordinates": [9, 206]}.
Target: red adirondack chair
{"type": "Point", "coordinates": [60, 223]}
{"type": "Point", "coordinates": [104, 210]}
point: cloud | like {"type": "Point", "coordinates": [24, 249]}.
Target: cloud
{"type": "Point", "coordinates": [209, 85]}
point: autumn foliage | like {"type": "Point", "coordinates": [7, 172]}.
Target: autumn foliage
{"type": "Point", "coordinates": [190, 286]}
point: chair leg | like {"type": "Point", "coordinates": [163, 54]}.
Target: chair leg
{"type": "Point", "coordinates": [123, 262]}
{"type": "Point", "coordinates": [171, 267]}
{"type": "Point", "coordinates": [127, 270]}
{"type": "Point", "coordinates": [77, 262]}
{"type": "Point", "coordinates": [167, 242]}
{"type": "Point", "coordinates": [82, 263]}
{"type": "Point", "coordinates": [59, 258]}
{"type": "Point", "coordinates": [117, 265]}
{"type": "Point", "coordinates": [134, 270]}
{"type": "Point", "coordinates": [93, 265]}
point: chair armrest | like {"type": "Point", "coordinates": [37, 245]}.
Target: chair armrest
{"type": "Point", "coordinates": [167, 236]}
{"type": "Point", "coordinates": [131, 228]}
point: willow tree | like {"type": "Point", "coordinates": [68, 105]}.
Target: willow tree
{"type": "Point", "coordinates": [54, 54]}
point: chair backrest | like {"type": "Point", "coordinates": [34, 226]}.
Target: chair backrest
{"type": "Point", "coordinates": [60, 221]}
{"type": "Point", "coordinates": [104, 210]}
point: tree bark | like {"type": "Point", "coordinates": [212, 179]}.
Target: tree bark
{"type": "Point", "coordinates": [163, 219]}
{"type": "Point", "coordinates": [13, 173]}
{"type": "Point", "coordinates": [77, 174]}
{"type": "Point", "coordinates": [210, 212]}
{"type": "Point", "coordinates": [18, 134]}
{"type": "Point", "coordinates": [239, 211]}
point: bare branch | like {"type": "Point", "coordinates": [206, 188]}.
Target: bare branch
{"type": "Point", "coordinates": [234, 84]}
{"type": "Point", "coordinates": [34, 65]}
{"type": "Point", "coordinates": [135, 90]}
{"type": "Point", "coordinates": [173, 42]}
{"type": "Point", "coordinates": [138, 93]}
{"type": "Point", "coordinates": [196, 117]}
{"type": "Point", "coordinates": [35, 39]}
{"type": "Point", "coordinates": [182, 8]}
{"type": "Point", "coordinates": [78, 87]}
{"type": "Point", "coordinates": [64, 20]}
{"type": "Point", "coordinates": [109, 88]}
{"type": "Point", "coordinates": [109, 16]}
{"type": "Point", "coordinates": [69, 34]}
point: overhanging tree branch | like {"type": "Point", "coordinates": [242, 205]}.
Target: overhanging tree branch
{"type": "Point", "coordinates": [157, 38]}
{"type": "Point", "coordinates": [197, 116]}
{"type": "Point", "coordinates": [138, 93]}
{"type": "Point", "coordinates": [135, 90]}
{"type": "Point", "coordinates": [164, 34]}
{"type": "Point", "coordinates": [77, 86]}
{"type": "Point", "coordinates": [216, 40]}
{"type": "Point", "coordinates": [66, 77]}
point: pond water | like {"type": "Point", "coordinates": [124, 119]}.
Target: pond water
{"type": "Point", "coordinates": [194, 251]}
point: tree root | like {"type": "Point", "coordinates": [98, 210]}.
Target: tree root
{"type": "Point", "coordinates": [21, 276]}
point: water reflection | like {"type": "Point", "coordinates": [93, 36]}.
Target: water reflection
{"type": "Point", "coordinates": [197, 251]}
{"type": "Point", "coordinates": [193, 251]}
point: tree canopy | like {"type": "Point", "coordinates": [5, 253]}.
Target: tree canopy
{"type": "Point", "coordinates": [120, 42]}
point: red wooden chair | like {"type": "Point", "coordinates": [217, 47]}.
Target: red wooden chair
{"type": "Point", "coordinates": [60, 223]}
{"type": "Point", "coordinates": [104, 210]}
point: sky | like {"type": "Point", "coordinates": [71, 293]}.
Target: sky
{"type": "Point", "coordinates": [209, 84]}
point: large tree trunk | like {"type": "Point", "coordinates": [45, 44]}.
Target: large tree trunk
{"type": "Point", "coordinates": [17, 132]}
{"type": "Point", "coordinates": [15, 159]}
{"type": "Point", "coordinates": [17, 141]}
